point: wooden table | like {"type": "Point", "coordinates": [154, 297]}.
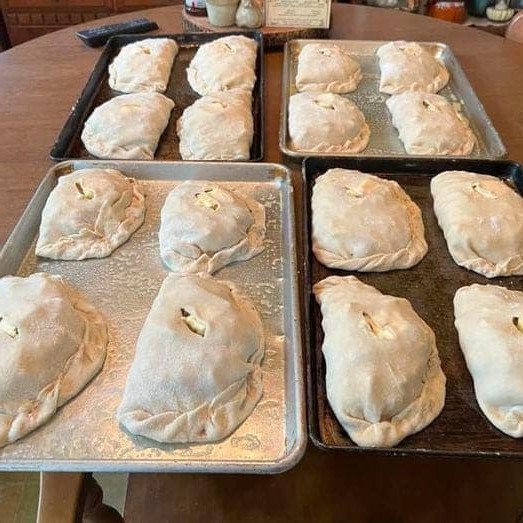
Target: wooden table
{"type": "Point", "coordinates": [39, 82]}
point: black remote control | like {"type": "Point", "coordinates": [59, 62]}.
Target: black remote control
{"type": "Point", "coordinates": [97, 36]}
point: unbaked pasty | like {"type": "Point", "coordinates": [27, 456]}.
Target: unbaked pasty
{"type": "Point", "coordinates": [89, 214]}
{"type": "Point", "coordinates": [327, 68]}
{"type": "Point", "coordinates": [196, 374]}
{"type": "Point", "coordinates": [224, 64]}
{"type": "Point", "coordinates": [364, 223]}
{"type": "Point", "coordinates": [384, 380]}
{"type": "Point", "coordinates": [127, 127]}
{"type": "Point", "coordinates": [489, 320]}
{"type": "Point", "coordinates": [217, 127]}
{"type": "Point", "coordinates": [482, 220]}
{"type": "Point", "coordinates": [52, 343]}
{"type": "Point", "coordinates": [326, 122]}
{"type": "Point", "coordinates": [407, 66]}
{"type": "Point", "coordinates": [429, 124]}
{"type": "Point", "coordinates": [204, 227]}
{"type": "Point", "coordinates": [143, 66]}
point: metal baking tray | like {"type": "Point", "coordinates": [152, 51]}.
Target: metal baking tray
{"type": "Point", "coordinates": [384, 140]}
{"type": "Point", "coordinates": [461, 429]}
{"type": "Point", "coordinates": [97, 91]}
{"type": "Point", "coordinates": [84, 434]}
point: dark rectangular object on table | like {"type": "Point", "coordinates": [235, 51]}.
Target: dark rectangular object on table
{"type": "Point", "coordinates": [97, 91]}
{"type": "Point", "coordinates": [98, 36]}
{"type": "Point", "coordinates": [461, 429]}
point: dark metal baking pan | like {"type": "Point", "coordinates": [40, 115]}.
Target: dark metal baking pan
{"type": "Point", "coordinates": [461, 429]}
{"type": "Point", "coordinates": [97, 91]}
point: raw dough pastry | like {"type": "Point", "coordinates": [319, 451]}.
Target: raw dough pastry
{"type": "Point", "coordinates": [482, 220]}
{"type": "Point", "coordinates": [89, 214]}
{"type": "Point", "coordinates": [326, 122]}
{"type": "Point", "coordinates": [217, 127]}
{"type": "Point", "coordinates": [196, 374]}
{"type": "Point", "coordinates": [52, 343]}
{"type": "Point", "coordinates": [384, 380]}
{"type": "Point", "coordinates": [406, 66]}
{"type": "Point", "coordinates": [327, 68]}
{"type": "Point", "coordinates": [224, 64]}
{"type": "Point", "coordinates": [204, 227]}
{"type": "Point", "coordinates": [127, 127]}
{"type": "Point", "coordinates": [429, 124]}
{"type": "Point", "coordinates": [489, 320]}
{"type": "Point", "coordinates": [143, 66]}
{"type": "Point", "coordinates": [364, 223]}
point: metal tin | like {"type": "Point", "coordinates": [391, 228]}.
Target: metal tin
{"type": "Point", "coordinates": [97, 91]}
{"type": "Point", "coordinates": [461, 429]}
{"type": "Point", "coordinates": [384, 140]}
{"type": "Point", "coordinates": [84, 434]}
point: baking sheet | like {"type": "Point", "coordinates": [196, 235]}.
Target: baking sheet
{"type": "Point", "coordinates": [97, 92]}
{"type": "Point", "coordinates": [384, 140]}
{"type": "Point", "coordinates": [461, 429]}
{"type": "Point", "coordinates": [84, 434]}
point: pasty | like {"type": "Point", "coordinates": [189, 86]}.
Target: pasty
{"type": "Point", "coordinates": [89, 214]}
{"type": "Point", "coordinates": [52, 343]}
{"type": "Point", "coordinates": [384, 380]}
{"type": "Point", "coordinates": [204, 227]}
{"type": "Point", "coordinates": [489, 320]}
{"type": "Point", "coordinates": [482, 220]}
{"type": "Point", "coordinates": [127, 127]}
{"type": "Point", "coordinates": [327, 68]}
{"type": "Point", "coordinates": [196, 374]}
{"type": "Point", "coordinates": [217, 127]}
{"type": "Point", "coordinates": [429, 124]}
{"type": "Point", "coordinates": [364, 223]}
{"type": "Point", "coordinates": [406, 66]}
{"type": "Point", "coordinates": [143, 66]}
{"type": "Point", "coordinates": [224, 64]}
{"type": "Point", "coordinates": [326, 122]}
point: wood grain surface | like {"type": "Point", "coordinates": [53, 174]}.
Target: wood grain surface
{"type": "Point", "coordinates": [40, 81]}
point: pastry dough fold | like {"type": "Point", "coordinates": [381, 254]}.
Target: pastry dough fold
{"type": "Point", "coordinates": [489, 320]}
{"type": "Point", "coordinates": [205, 227]}
{"type": "Point", "coordinates": [407, 66]}
{"type": "Point", "coordinates": [127, 127]}
{"type": "Point", "coordinates": [361, 222]}
{"type": "Point", "coordinates": [326, 122]}
{"type": "Point", "coordinates": [143, 66]}
{"type": "Point", "coordinates": [482, 220]}
{"type": "Point", "coordinates": [429, 124]}
{"type": "Point", "coordinates": [327, 67]}
{"type": "Point", "coordinates": [89, 214]}
{"type": "Point", "coordinates": [52, 343]}
{"type": "Point", "coordinates": [383, 375]}
{"type": "Point", "coordinates": [217, 127]}
{"type": "Point", "coordinates": [196, 374]}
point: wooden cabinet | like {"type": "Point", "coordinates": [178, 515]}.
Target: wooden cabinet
{"type": "Point", "coordinates": [26, 19]}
